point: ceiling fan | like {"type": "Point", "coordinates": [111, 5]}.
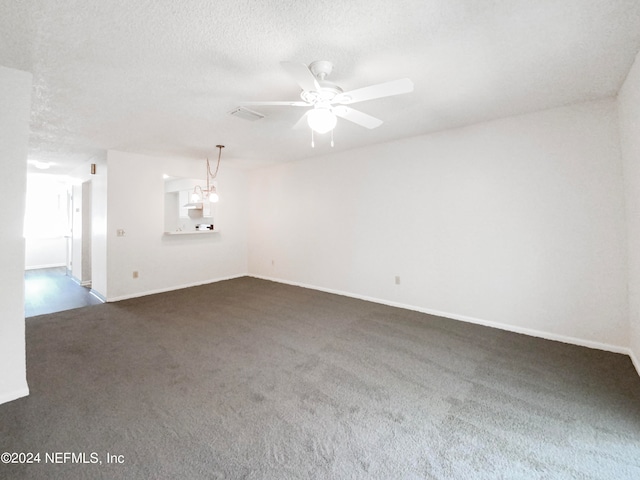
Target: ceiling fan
{"type": "Point", "coordinates": [328, 101]}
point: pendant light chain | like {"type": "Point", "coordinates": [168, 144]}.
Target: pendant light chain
{"type": "Point", "coordinates": [210, 191]}
{"type": "Point", "coordinates": [214, 174]}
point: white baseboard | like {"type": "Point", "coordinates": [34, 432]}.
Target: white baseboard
{"type": "Point", "coordinates": [478, 321]}
{"type": "Point", "coordinates": [97, 295]}
{"type": "Point", "coordinates": [168, 289]}
{"type": "Point", "coordinates": [49, 265]}
{"type": "Point", "coordinates": [634, 360]}
{"type": "Point", "coordinates": [14, 395]}
{"type": "Point", "coordinates": [82, 283]}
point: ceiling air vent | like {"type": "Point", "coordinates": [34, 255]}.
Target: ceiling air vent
{"type": "Point", "coordinates": [246, 114]}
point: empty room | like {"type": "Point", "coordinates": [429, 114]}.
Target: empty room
{"type": "Point", "coordinates": [324, 240]}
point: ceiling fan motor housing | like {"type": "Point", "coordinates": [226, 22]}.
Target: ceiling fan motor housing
{"type": "Point", "coordinates": [327, 90]}
{"type": "Point", "coordinates": [321, 68]}
{"type": "Point", "coordinates": [325, 93]}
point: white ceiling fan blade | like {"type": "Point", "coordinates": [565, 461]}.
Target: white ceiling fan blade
{"type": "Point", "coordinates": [302, 75]}
{"type": "Point", "coordinates": [283, 103]}
{"type": "Point", "coordinates": [387, 89]}
{"type": "Point", "coordinates": [357, 117]}
{"type": "Point", "coordinates": [302, 122]}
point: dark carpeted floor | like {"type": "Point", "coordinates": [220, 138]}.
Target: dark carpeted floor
{"type": "Point", "coordinates": [252, 379]}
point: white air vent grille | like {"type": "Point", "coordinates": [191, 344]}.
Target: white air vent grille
{"type": "Point", "coordinates": [246, 114]}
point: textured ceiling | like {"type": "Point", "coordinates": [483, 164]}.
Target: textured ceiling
{"type": "Point", "coordinates": [160, 76]}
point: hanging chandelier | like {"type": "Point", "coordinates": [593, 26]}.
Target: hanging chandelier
{"type": "Point", "coordinates": [208, 194]}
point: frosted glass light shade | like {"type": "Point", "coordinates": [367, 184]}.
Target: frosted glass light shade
{"type": "Point", "coordinates": [213, 196]}
{"type": "Point", "coordinates": [321, 120]}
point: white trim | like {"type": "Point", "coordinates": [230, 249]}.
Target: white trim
{"type": "Point", "coordinates": [10, 396]}
{"type": "Point", "coordinates": [82, 283]}
{"type": "Point", "coordinates": [502, 326]}
{"type": "Point", "coordinates": [634, 360]}
{"type": "Point", "coordinates": [170, 289]}
{"type": "Point", "coordinates": [50, 265]}
{"type": "Point", "coordinates": [98, 295]}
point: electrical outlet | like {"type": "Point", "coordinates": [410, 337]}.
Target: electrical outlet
{"type": "Point", "coordinates": [397, 279]}
{"type": "Point", "coordinates": [120, 232]}
{"type": "Point", "coordinates": [135, 274]}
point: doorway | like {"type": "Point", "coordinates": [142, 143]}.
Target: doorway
{"type": "Point", "coordinates": [57, 215]}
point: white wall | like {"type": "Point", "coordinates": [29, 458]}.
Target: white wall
{"type": "Point", "coordinates": [46, 222]}
{"type": "Point", "coordinates": [136, 205]}
{"type": "Point", "coordinates": [517, 222]}
{"type": "Point", "coordinates": [629, 117]}
{"type": "Point", "coordinates": [76, 232]}
{"type": "Point", "coordinates": [98, 223]}
{"type": "Point", "coordinates": [15, 103]}
{"type": "Point", "coordinates": [45, 252]}
{"type": "Point", "coordinates": [86, 233]}
{"type": "Point", "coordinates": [82, 232]}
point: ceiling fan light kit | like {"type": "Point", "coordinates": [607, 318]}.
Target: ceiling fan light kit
{"type": "Point", "coordinates": [321, 119]}
{"type": "Point", "coordinates": [328, 101]}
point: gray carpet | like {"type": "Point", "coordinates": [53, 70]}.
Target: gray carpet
{"type": "Point", "coordinates": [252, 379]}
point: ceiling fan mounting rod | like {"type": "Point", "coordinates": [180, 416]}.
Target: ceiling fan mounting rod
{"type": "Point", "coordinates": [325, 91]}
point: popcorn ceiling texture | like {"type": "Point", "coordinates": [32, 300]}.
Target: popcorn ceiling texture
{"type": "Point", "coordinates": [159, 77]}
